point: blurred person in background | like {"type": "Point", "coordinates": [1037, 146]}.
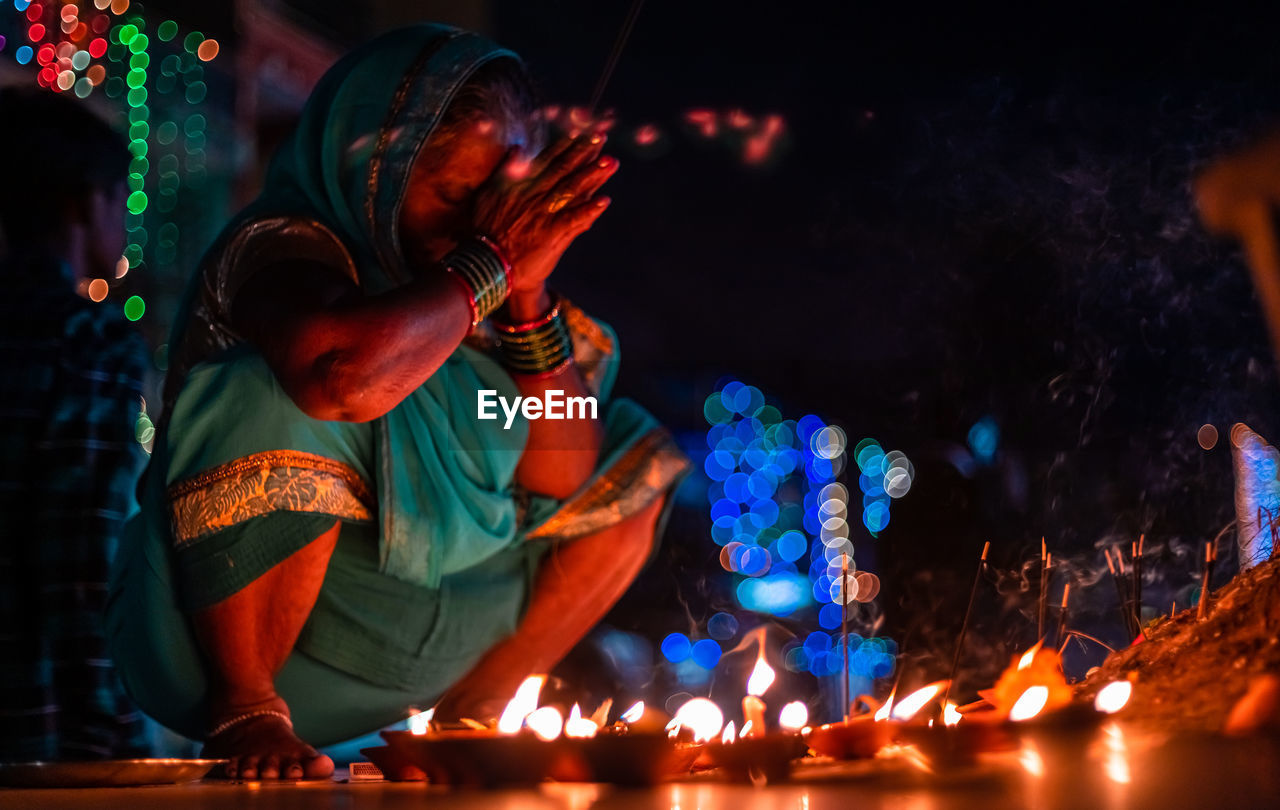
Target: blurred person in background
{"type": "Point", "coordinates": [71, 375]}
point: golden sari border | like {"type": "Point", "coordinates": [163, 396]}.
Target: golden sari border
{"type": "Point", "coordinates": [641, 475]}
{"type": "Point", "coordinates": [592, 346]}
{"type": "Point", "coordinates": [261, 483]}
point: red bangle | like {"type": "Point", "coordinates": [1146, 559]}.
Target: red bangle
{"type": "Point", "coordinates": [524, 326]}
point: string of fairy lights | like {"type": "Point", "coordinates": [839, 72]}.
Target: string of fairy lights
{"type": "Point", "coordinates": [110, 46]}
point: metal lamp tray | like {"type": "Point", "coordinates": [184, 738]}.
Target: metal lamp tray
{"type": "Point", "coordinates": [104, 773]}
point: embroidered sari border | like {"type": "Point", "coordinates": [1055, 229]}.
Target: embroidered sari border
{"type": "Point", "coordinates": [261, 483]}
{"type": "Point", "coordinates": [639, 476]}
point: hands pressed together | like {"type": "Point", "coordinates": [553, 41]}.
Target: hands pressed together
{"type": "Point", "coordinates": [534, 209]}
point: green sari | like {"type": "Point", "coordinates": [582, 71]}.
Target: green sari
{"type": "Point", "coordinates": [438, 546]}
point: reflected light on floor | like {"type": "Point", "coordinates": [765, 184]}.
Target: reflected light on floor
{"type": "Point", "coordinates": [1116, 760]}
{"type": "Point", "coordinates": [1030, 759]}
{"type": "Point", "coordinates": [572, 795]}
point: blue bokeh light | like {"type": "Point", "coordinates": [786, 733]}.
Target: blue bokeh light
{"type": "Point", "coordinates": [676, 647]}
{"type": "Point", "coordinates": [706, 653]}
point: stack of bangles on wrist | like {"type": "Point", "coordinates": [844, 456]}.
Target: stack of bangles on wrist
{"type": "Point", "coordinates": [484, 272]}
{"type": "Point", "coordinates": [540, 347]}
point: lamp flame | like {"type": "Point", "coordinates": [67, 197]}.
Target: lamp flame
{"type": "Point", "coordinates": [633, 714]}
{"type": "Point", "coordinates": [794, 716]}
{"type": "Point", "coordinates": [546, 723]}
{"type": "Point", "coordinates": [729, 735]}
{"type": "Point", "coordinates": [883, 712]}
{"type": "Point", "coordinates": [1030, 704]}
{"type": "Point", "coordinates": [950, 714]}
{"type": "Point", "coordinates": [1113, 697]}
{"type": "Point", "coordinates": [522, 705]}
{"type": "Point", "coordinates": [914, 702]}
{"type": "Point", "coordinates": [579, 726]}
{"type": "Point", "coordinates": [420, 722]}
{"type": "Point", "coordinates": [1030, 655]}
{"type": "Point", "coordinates": [761, 677]}
{"type": "Point", "coordinates": [700, 716]}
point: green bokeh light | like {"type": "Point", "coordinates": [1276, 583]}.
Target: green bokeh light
{"type": "Point", "coordinates": [134, 307]}
{"type": "Point", "coordinates": [167, 30]}
{"type": "Point", "coordinates": [137, 202]}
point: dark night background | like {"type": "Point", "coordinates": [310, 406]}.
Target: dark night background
{"type": "Point", "coordinates": [975, 213]}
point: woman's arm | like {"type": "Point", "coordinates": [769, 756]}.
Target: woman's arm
{"type": "Point", "coordinates": [561, 454]}
{"type": "Point", "coordinates": [344, 356]}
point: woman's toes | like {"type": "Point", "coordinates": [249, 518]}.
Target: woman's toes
{"type": "Point", "coordinates": [319, 767]}
{"type": "Point", "coordinates": [291, 769]}
{"type": "Point", "coordinates": [230, 769]}
{"type": "Point", "coordinates": [270, 768]}
{"type": "Point", "coordinates": [249, 767]}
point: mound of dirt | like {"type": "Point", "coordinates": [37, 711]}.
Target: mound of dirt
{"type": "Point", "coordinates": [1189, 673]}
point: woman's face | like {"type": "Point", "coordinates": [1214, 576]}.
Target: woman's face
{"type": "Point", "coordinates": [436, 214]}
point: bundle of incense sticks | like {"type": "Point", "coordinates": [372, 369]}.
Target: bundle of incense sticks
{"type": "Point", "coordinates": [1117, 577]}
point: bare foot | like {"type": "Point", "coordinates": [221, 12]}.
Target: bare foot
{"type": "Point", "coordinates": [265, 747]}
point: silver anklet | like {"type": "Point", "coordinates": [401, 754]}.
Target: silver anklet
{"type": "Point", "coordinates": [235, 721]}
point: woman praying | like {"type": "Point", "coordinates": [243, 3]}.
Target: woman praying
{"type": "Point", "coordinates": [330, 534]}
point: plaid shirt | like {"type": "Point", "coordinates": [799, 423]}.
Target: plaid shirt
{"type": "Point", "coordinates": [70, 389]}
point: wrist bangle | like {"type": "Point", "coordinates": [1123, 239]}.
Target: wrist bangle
{"type": "Point", "coordinates": [484, 273]}
{"type": "Point", "coordinates": [540, 347]}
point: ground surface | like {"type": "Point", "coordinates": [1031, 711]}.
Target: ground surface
{"type": "Point", "coordinates": [1189, 673]}
{"type": "Point", "coordinates": [1049, 772]}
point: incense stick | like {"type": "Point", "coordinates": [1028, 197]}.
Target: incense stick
{"type": "Point", "coordinates": [1137, 578]}
{"type": "Point", "coordinates": [964, 626]}
{"type": "Point", "coordinates": [1210, 555]}
{"type": "Point", "coordinates": [618, 45]}
{"type": "Point", "coordinates": [1044, 588]}
{"type": "Point", "coordinates": [844, 628]}
{"type": "Point", "coordinates": [1062, 613]}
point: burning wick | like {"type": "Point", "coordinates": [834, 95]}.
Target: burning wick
{"type": "Point", "coordinates": [1030, 655]}
{"type": "Point", "coordinates": [420, 722]}
{"type": "Point", "coordinates": [917, 700]}
{"type": "Point", "coordinates": [546, 723]}
{"type": "Point", "coordinates": [761, 679]}
{"type": "Point", "coordinates": [1030, 704]}
{"type": "Point", "coordinates": [522, 705]}
{"type": "Point", "coordinates": [950, 715]}
{"type": "Point", "coordinates": [633, 715]}
{"type": "Point", "coordinates": [883, 712]}
{"type": "Point", "coordinates": [700, 716]}
{"type": "Point", "coordinates": [794, 716]}
{"type": "Point", "coordinates": [729, 735]}
{"type": "Point", "coordinates": [579, 726]}
{"type": "Point", "coordinates": [1113, 697]}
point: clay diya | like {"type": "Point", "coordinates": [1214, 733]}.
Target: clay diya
{"type": "Point", "coordinates": [475, 758]}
